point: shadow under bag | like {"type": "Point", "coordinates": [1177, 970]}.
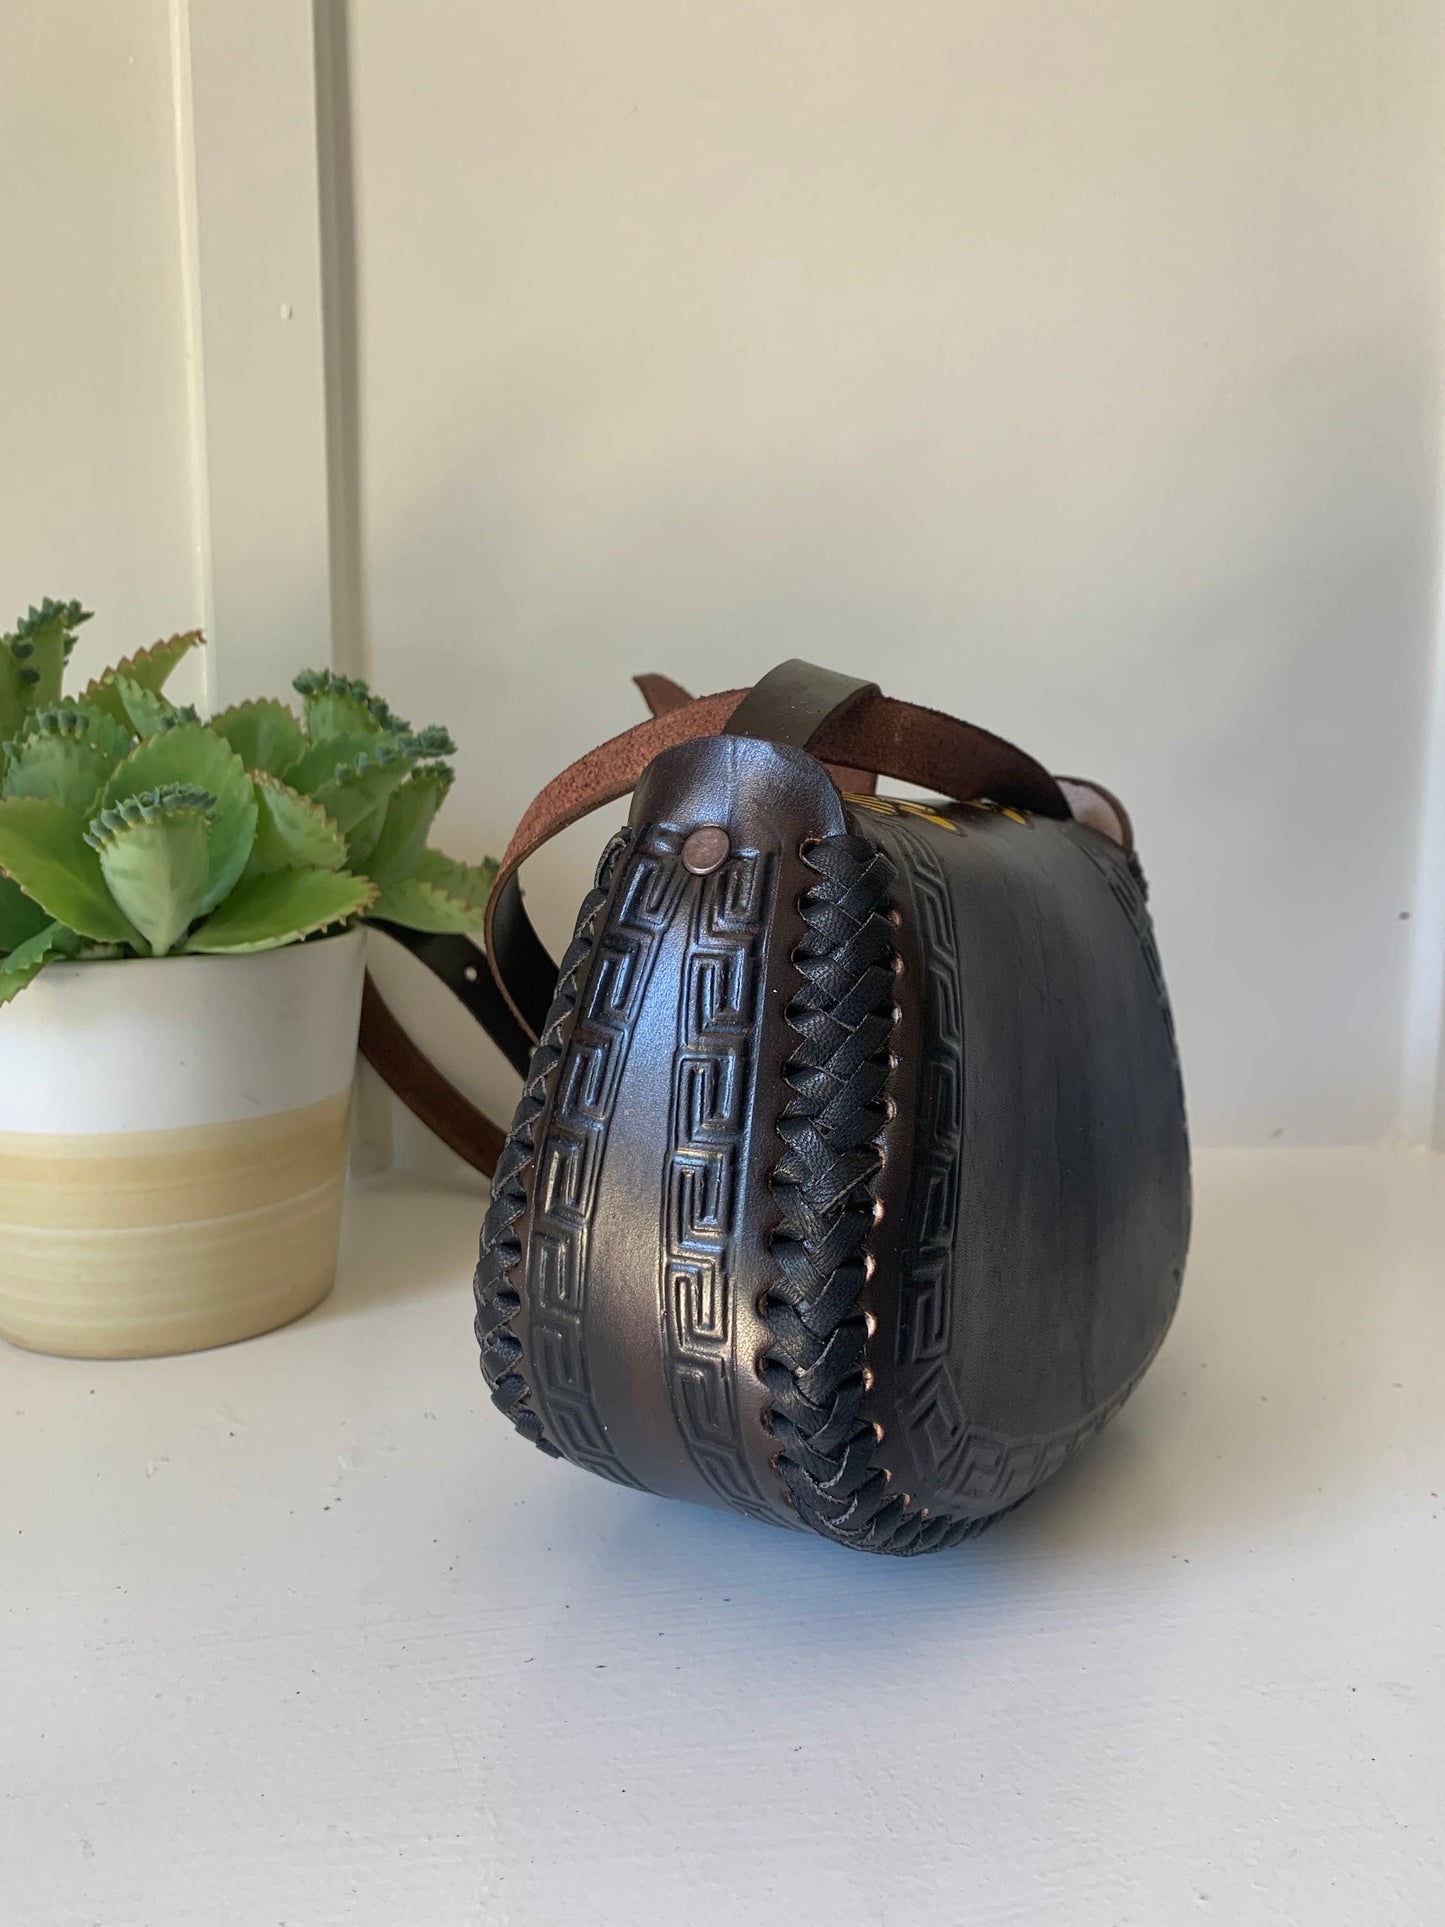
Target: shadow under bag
{"type": "Point", "coordinates": [849, 1186]}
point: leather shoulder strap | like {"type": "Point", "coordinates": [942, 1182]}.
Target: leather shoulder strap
{"type": "Point", "coordinates": [795, 702]}
{"type": "Point", "coordinates": [848, 723]}
{"type": "Point", "coordinates": [839, 719]}
{"type": "Point", "coordinates": [661, 693]}
{"type": "Point", "coordinates": [411, 1074]}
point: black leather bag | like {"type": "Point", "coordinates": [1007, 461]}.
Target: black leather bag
{"type": "Point", "coordinates": [849, 1187]}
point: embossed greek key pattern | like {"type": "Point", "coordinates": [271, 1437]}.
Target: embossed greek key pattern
{"type": "Point", "coordinates": [976, 1466]}
{"type": "Point", "coordinates": [980, 1467]}
{"type": "Point", "coordinates": [925, 1326]}
{"type": "Point", "coordinates": [712, 1096]}
{"type": "Point", "coordinates": [1129, 896]}
{"type": "Point", "coordinates": [570, 1160]}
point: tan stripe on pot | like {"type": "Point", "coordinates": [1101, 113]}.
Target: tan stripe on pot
{"type": "Point", "coordinates": [124, 1180]}
{"type": "Point", "coordinates": [103, 1293]}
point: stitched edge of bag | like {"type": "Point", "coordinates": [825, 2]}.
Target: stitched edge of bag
{"type": "Point", "coordinates": [816, 1370]}
{"type": "Point", "coordinates": [500, 1252]}
{"type": "Point", "coordinates": [824, 1186]}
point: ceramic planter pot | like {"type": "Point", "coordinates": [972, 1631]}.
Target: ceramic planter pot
{"type": "Point", "coordinates": [173, 1139]}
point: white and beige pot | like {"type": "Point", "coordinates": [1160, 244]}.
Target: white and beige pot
{"type": "Point", "coordinates": [173, 1139]}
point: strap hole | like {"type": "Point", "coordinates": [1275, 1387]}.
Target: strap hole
{"type": "Point", "coordinates": [470, 973]}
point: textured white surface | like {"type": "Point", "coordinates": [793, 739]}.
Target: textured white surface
{"type": "Point", "coordinates": [299, 1633]}
{"type": "Point", "coordinates": [155, 1043]}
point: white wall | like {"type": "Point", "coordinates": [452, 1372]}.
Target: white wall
{"type": "Point", "coordinates": [97, 495]}
{"type": "Point", "coordinates": [1075, 366]}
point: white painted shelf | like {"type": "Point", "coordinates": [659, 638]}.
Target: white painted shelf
{"type": "Point", "coordinates": [298, 1632]}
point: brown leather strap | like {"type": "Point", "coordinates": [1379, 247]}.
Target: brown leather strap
{"type": "Point", "coordinates": [407, 1071]}
{"type": "Point", "coordinates": [422, 1087]}
{"type": "Point", "coordinates": [825, 713]}
{"type": "Point", "coordinates": [868, 731]}
{"type": "Point", "coordinates": [661, 694]}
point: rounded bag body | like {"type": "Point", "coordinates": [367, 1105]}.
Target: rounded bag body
{"type": "Point", "coordinates": [849, 1186]}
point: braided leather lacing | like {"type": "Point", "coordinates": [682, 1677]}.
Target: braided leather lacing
{"type": "Point", "coordinates": [833, 1126]}
{"type": "Point", "coordinates": [501, 1251]}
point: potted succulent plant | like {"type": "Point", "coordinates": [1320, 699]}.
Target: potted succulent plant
{"type": "Point", "coordinates": [181, 963]}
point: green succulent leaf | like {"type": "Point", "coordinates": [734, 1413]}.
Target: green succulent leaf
{"type": "Point", "coordinates": [40, 648]}
{"type": "Point", "coordinates": [262, 913]}
{"type": "Point", "coordinates": [428, 906]}
{"type": "Point", "coordinates": [68, 768]}
{"type": "Point", "coordinates": [353, 776]}
{"type": "Point", "coordinates": [70, 717]}
{"type": "Point", "coordinates": [293, 832]}
{"type": "Point", "coordinates": [362, 838]}
{"type": "Point", "coordinates": [52, 617]}
{"type": "Point", "coordinates": [189, 753]}
{"type": "Point", "coordinates": [43, 849]}
{"type": "Point", "coordinates": [356, 793]}
{"type": "Point", "coordinates": [471, 882]}
{"type": "Point", "coordinates": [153, 855]}
{"type": "Point", "coordinates": [342, 706]}
{"type": "Point", "coordinates": [20, 918]}
{"type": "Point", "coordinates": [148, 713]}
{"type": "Point", "coordinates": [15, 691]}
{"type": "Point", "coordinates": [406, 823]}
{"type": "Point", "coordinates": [266, 735]}
{"type": "Point", "coordinates": [25, 963]}
{"type": "Point", "coordinates": [148, 667]}
{"type": "Point", "coordinates": [334, 759]}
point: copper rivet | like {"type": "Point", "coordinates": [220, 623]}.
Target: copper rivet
{"type": "Point", "coordinates": [706, 850]}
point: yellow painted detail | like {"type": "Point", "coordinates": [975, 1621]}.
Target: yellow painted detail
{"type": "Point", "coordinates": [905, 806]}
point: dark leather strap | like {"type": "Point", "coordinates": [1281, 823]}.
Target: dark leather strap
{"type": "Point", "coordinates": [423, 1089]}
{"type": "Point", "coordinates": [463, 969]}
{"type": "Point", "coordinates": [835, 716]}
{"type": "Point", "coordinates": [844, 722]}
{"type": "Point", "coordinates": [410, 1073]}
{"type": "Point", "coordinates": [528, 977]}
{"type": "Point", "coordinates": [662, 694]}
{"type": "Point", "coordinates": [795, 702]}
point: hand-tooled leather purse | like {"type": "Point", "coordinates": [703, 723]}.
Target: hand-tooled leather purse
{"type": "Point", "coordinates": [849, 1186]}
